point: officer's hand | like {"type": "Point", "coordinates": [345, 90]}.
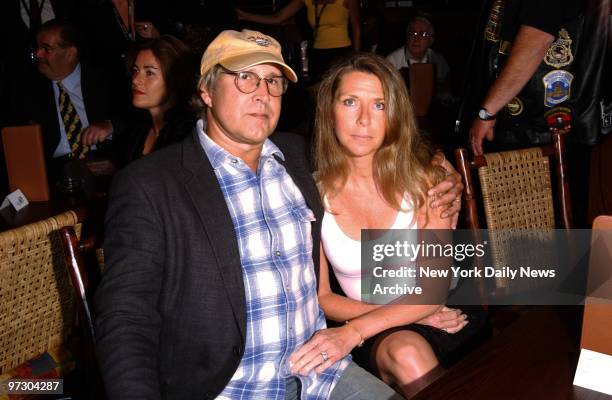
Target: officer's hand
{"type": "Point", "coordinates": [480, 129]}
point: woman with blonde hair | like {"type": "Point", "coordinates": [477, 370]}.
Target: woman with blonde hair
{"type": "Point", "coordinates": [374, 171]}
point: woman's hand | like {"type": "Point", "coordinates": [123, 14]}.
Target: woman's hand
{"type": "Point", "coordinates": [447, 194]}
{"type": "Point", "coordinates": [146, 29]}
{"type": "Point", "coordinates": [449, 320]}
{"type": "Point", "coordinates": [325, 348]}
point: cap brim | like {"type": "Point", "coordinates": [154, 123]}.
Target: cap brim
{"type": "Point", "coordinates": [251, 59]}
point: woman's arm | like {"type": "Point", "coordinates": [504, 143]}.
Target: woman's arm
{"type": "Point", "coordinates": [353, 7]}
{"type": "Point", "coordinates": [448, 319]}
{"type": "Point", "coordinates": [275, 19]}
{"type": "Point", "coordinates": [367, 319]}
{"type": "Point", "coordinates": [337, 307]}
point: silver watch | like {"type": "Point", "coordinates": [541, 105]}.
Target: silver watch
{"type": "Point", "coordinates": [484, 115]}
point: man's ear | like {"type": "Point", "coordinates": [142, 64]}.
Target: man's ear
{"type": "Point", "coordinates": [206, 97]}
{"type": "Point", "coordinates": [72, 52]}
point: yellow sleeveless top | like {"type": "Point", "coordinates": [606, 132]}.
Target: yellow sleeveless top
{"type": "Point", "coordinates": [333, 25]}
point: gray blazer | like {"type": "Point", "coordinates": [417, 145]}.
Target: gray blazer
{"type": "Point", "coordinates": [170, 308]}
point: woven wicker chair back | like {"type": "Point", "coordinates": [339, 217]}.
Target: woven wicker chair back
{"type": "Point", "coordinates": [516, 190]}
{"type": "Point", "coordinates": [36, 296]}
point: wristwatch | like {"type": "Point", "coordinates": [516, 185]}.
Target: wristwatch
{"type": "Point", "coordinates": [484, 115]}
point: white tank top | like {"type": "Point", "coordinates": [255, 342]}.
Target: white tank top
{"type": "Point", "coordinates": [344, 253]}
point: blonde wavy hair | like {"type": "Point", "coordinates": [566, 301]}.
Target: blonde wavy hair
{"type": "Point", "coordinates": [403, 163]}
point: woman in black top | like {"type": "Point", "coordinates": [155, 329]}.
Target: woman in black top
{"type": "Point", "coordinates": [163, 77]}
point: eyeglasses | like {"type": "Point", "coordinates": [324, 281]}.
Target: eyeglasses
{"type": "Point", "coordinates": [248, 82]}
{"type": "Point", "coordinates": [46, 48]}
{"type": "Point", "coordinates": [422, 34]}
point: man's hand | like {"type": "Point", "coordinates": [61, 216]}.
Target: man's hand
{"type": "Point", "coordinates": [447, 193]}
{"type": "Point", "coordinates": [325, 348]}
{"type": "Point", "coordinates": [146, 30]}
{"type": "Point", "coordinates": [96, 133]}
{"type": "Point", "coordinates": [449, 320]}
{"type": "Point", "coordinates": [481, 129]}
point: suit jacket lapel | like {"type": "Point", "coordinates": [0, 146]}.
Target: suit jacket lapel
{"type": "Point", "coordinates": [210, 204]}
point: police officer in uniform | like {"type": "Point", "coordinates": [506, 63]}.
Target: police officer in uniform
{"type": "Point", "coordinates": [542, 71]}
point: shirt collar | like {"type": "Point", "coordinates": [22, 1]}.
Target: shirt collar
{"type": "Point", "coordinates": [72, 81]}
{"type": "Point", "coordinates": [218, 155]}
{"type": "Point", "coordinates": [412, 60]}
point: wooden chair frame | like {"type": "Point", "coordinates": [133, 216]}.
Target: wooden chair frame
{"type": "Point", "coordinates": [74, 249]}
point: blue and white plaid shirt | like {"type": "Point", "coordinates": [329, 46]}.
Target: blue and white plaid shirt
{"type": "Point", "coordinates": [272, 224]}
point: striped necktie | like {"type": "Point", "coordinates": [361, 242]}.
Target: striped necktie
{"type": "Point", "coordinates": [72, 123]}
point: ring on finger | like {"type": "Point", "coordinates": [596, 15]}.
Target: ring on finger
{"type": "Point", "coordinates": [325, 356]}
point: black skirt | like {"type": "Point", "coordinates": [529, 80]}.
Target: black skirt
{"type": "Point", "coordinates": [448, 348]}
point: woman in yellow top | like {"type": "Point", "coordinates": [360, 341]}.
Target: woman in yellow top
{"type": "Point", "coordinates": [329, 20]}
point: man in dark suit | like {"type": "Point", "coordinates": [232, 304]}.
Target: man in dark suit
{"type": "Point", "coordinates": [36, 96]}
{"type": "Point", "coordinates": [212, 250]}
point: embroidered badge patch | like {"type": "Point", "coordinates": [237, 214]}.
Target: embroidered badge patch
{"type": "Point", "coordinates": [559, 120]}
{"type": "Point", "coordinates": [559, 53]}
{"type": "Point", "coordinates": [515, 107]}
{"type": "Point", "coordinates": [557, 87]}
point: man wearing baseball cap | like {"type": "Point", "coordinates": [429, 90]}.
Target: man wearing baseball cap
{"type": "Point", "coordinates": [212, 249]}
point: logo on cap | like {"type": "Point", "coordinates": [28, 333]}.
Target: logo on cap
{"type": "Point", "coordinates": [262, 41]}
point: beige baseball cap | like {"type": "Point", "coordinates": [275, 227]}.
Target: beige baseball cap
{"type": "Point", "coordinates": [238, 50]}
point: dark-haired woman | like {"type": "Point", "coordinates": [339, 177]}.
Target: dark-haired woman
{"type": "Point", "coordinates": [163, 77]}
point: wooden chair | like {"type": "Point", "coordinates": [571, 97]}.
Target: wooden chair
{"type": "Point", "coordinates": [517, 195]}
{"type": "Point", "coordinates": [36, 296]}
{"type": "Point", "coordinates": [597, 319]}
{"type": "Point", "coordinates": [25, 161]}
{"type": "Point", "coordinates": [73, 255]}
{"type": "Point", "coordinates": [74, 251]}
{"type": "Point", "coordinates": [516, 187]}
{"type": "Point", "coordinates": [420, 81]}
